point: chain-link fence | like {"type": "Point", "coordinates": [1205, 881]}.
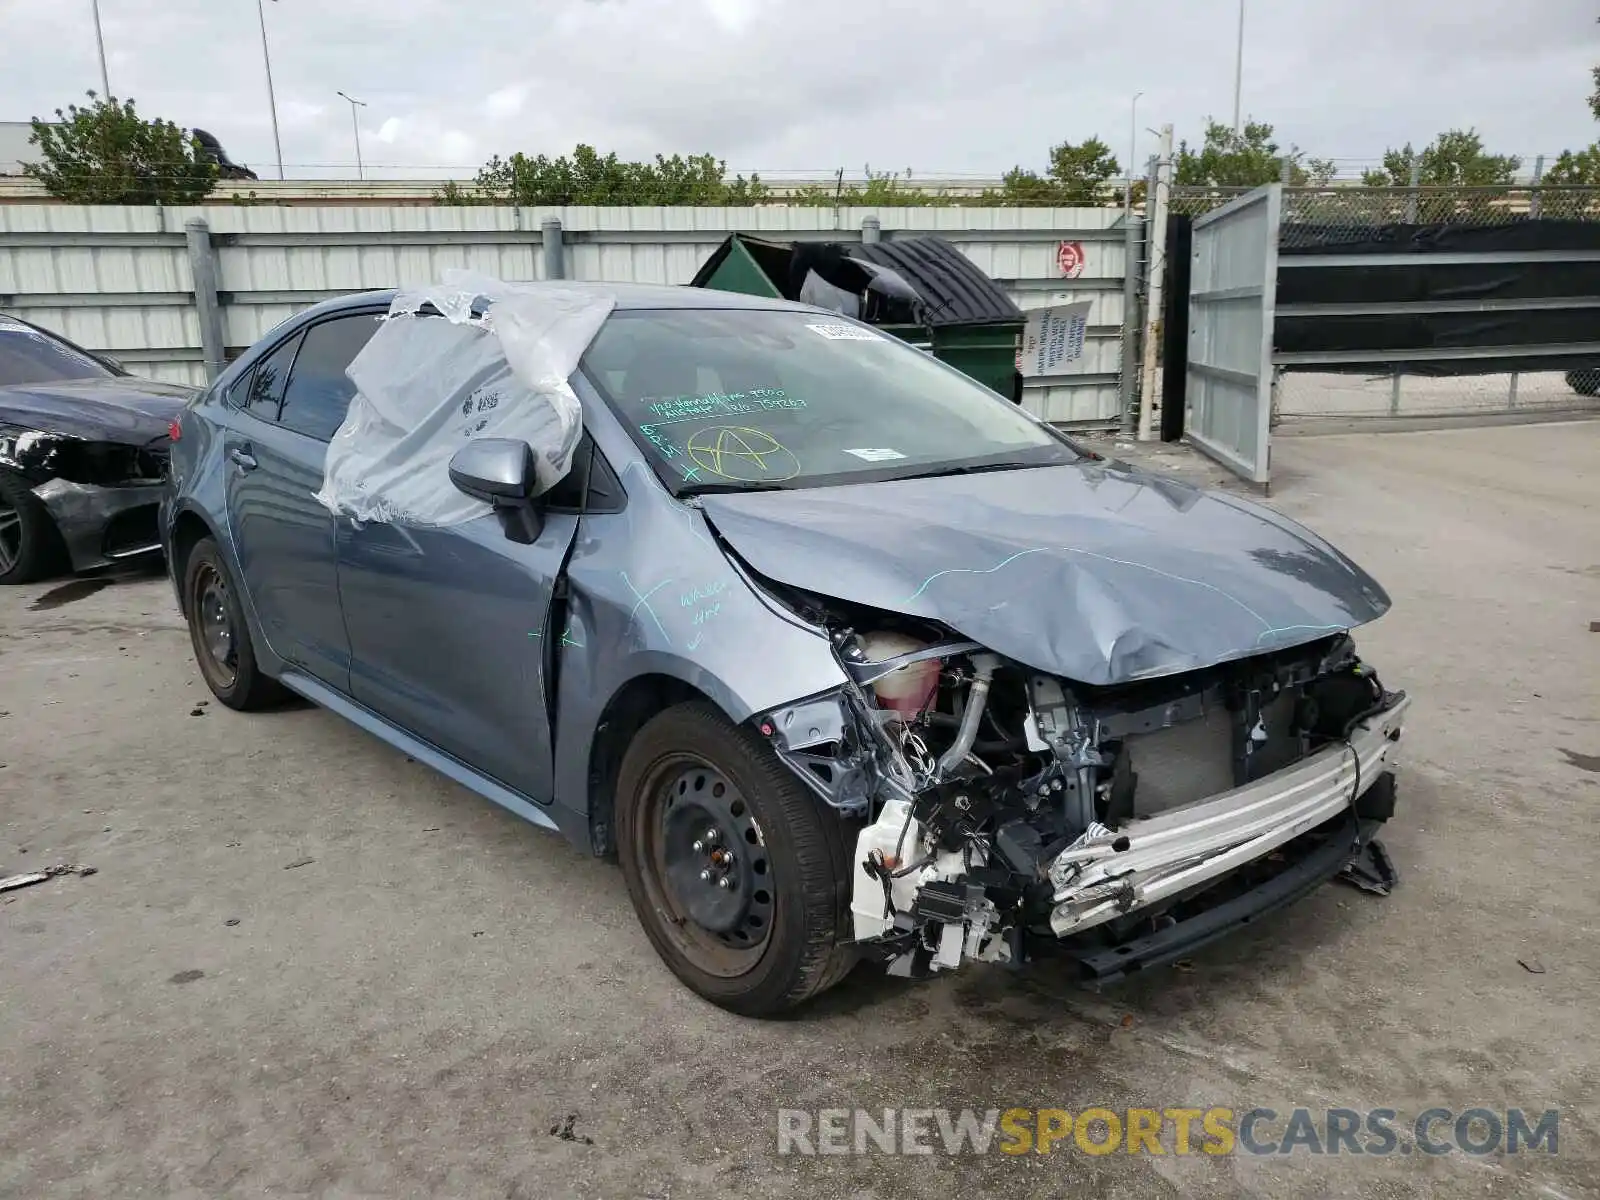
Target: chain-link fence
{"type": "Point", "coordinates": [1307, 396]}
{"type": "Point", "coordinates": [1358, 209]}
{"type": "Point", "coordinates": [1327, 216]}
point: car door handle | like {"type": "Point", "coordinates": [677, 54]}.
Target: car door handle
{"type": "Point", "coordinates": [242, 458]}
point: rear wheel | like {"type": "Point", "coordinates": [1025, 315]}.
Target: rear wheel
{"type": "Point", "coordinates": [221, 638]}
{"type": "Point", "coordinates": [736, 872]}
{"type": "Point", "coordinates": [30, 545]}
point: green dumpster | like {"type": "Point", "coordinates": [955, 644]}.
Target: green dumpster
{"type": "Point", "coordinates": [921, 289]}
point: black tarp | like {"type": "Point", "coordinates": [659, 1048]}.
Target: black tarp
{"type": "Point", "coordinates": [1545, 275]}
{"type": "Point", "coordinates": [1527, 233]}
{"type": "Point", "coordinates": [1560, 270]}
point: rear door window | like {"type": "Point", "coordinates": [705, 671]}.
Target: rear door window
{"type": "Point", "coordinates": [319, 391]}
{"type": "Point", "coordinates": [260, 392]}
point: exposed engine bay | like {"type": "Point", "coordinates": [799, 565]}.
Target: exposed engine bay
{"type": "Point", "coordinates": [80, 460]}
{"type": "Point", "coordinates": [1002, 807]}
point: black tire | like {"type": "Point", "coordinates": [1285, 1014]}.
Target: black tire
{"type": "Point", "coordinates": [220, 634]}
{"type": "Point", "coordinates": [792, 848]}
{"type": "Point", "coordinates": [1585, 383]}
{"type": "Point", "coordinates": [30, 544]}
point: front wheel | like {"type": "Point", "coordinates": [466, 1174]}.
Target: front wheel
{"type": "Point", "coordinates": [30, 546]}
{"type": "Point", "coordinates": [737, 872]}
{"type": "Point", "coordinates": [220, 635]}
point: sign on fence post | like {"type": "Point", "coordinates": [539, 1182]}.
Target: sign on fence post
{"type": "Point", "coordinates": [1051, 338]}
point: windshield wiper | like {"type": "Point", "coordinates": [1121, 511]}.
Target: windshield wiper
{"type": "Point", "coordinates": [719, 489]}
{"type": "Point", "coordinates": [976, 469]}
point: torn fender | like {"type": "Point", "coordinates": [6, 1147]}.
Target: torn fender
{"type": "Point", "coordinates": [1090, 571]}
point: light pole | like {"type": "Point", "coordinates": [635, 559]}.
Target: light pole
{"type": "Point", "coordinates": [1133, 145]}
{"type": "Point", "coordinates": [272, 99]}
{"type": "Point", "coordinates": [1238, 68]}
{"type": "Point", "coordinates": [355, 126]}
{"type": "Point", "coordinates": [100, 43]}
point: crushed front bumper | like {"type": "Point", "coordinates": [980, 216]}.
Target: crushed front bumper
{"type": "Point", "coordinates": [1157, 858]}
{"type": "Point", "coordinates": [1103, 962]}
{"type": "Point", "coordinates": [102, 525]}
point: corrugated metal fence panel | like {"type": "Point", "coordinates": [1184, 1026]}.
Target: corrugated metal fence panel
{"type": "Point", "coordinates": [1037, 283]}
{"type": "Point", "coordinates": [275, 261]}
{"type": "Point", "coordinates": [1232, 285]}
{"type": "Point", "coordinates": [117, 279]}
{"type": "Point", "coordinates": [1029, 271]}
{"type": "Point", "coordinates": [667, 245]}
{"type": "Point", "coordinates": [107, 277]}
{"type": "Point", "coordinates": [1026, 266]}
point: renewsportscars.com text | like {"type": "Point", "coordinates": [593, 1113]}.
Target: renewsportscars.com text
{"type": "Point", "coordinates": [1177, 1131]}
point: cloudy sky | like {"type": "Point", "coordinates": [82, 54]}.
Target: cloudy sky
{"type": "Point", "coordinates": [808, 86]}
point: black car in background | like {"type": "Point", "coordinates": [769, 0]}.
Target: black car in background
{"type": "Point", "coordinates": [226, 167]}
{"type": "Point", "coordinates": [83, 453]}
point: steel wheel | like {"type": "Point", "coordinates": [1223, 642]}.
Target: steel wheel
{"type": "Point", "coordinates": [707, 866]}
{"type": "Point", "coordinates": [220, 633]}
{"type": "Point", "coordinates": [737, 873]}
{"type": "Point", "coordinates": [215, 638]}
{"type": "Point", "coordinates": [10, 536]}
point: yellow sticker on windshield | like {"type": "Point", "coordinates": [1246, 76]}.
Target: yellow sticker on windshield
{"type": "Point", "coordinates": [741, 454]}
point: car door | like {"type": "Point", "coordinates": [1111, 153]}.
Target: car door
{"type": "Point", "coordinates": [451, 630]}
{"type": "Point", "coordinates": [284, 412]}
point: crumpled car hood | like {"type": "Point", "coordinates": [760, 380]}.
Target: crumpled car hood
{"type": "Point", "coordinates": [1091, 571]}
{"type": "Point", "coordinates": [127, 409]}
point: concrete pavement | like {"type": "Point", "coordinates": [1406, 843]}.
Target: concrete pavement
{"type": "Point", "coordinates": [308, 966]}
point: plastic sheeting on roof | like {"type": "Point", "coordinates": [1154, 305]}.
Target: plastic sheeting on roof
{"type": "Point", "coordinates": [470, 356]}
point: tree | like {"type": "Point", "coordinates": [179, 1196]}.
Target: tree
{"type": "Point", "coordinates": [1080, 172]}
{"type": "Point", "coordinates": [1319, 171]}
{"type": "Point", "coordinates": [1077, 177]}
{"type": "Point", "coordinates": [881, 189]}
{"type": "Point", "coordinates": [107, 154]}
{"type": "Point", "coordinates": [1247, 158]}
{"type": "Point", "coordinates": [587, 177]}
{"type": "Point", "coordinates": [1582, 167]}
{"type": "Point", "coordinates": [1456, 158]}
{"type": "Point", "coordinates": [1024, 187]}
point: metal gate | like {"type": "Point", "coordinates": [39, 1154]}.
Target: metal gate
{"type": "Point", "coordinates": [1232, 290]}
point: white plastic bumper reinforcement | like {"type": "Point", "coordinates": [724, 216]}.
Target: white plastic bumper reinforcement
{"type": "Point", "coordinates": [1148, 860]}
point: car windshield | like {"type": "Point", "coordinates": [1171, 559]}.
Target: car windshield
{"type": "Point", "coordinates": [735, 399]}
{"type": "Point", "coordinates": [28, 355]}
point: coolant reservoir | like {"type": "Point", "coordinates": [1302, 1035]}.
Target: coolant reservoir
{"type": "Point", "coordinates": [909, 689]}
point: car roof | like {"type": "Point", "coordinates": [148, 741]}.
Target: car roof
{"type": "Point", "coordinates": [626, 296]}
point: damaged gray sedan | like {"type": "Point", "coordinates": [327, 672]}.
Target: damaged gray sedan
{"type": "Point", "coordinates": [840, 654]}
{"type": "Point", "coordinates": [83, 451]}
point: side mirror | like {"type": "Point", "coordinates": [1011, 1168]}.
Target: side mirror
{"type": "Point", "coordinates": [501, 472]}
{"type": "Point", "coordinates": [498, 471]}
{"type": "Point", "coordinates": [112, 362]}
